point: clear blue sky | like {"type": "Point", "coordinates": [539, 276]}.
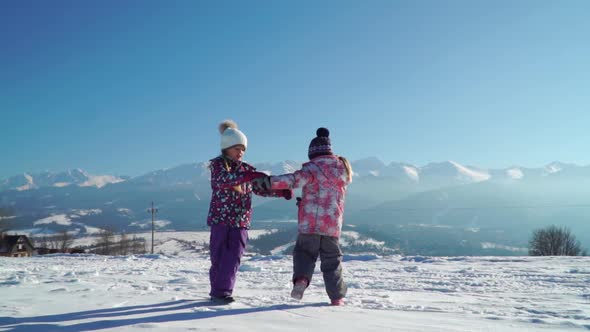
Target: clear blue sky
{"type": "Point", "coordinates": [126, 87]}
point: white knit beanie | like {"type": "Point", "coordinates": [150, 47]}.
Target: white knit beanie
{"type": "Point", "coordinates": [231, 135]}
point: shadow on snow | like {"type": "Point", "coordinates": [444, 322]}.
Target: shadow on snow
{"type": "Point", "coordinates": [117, 317]}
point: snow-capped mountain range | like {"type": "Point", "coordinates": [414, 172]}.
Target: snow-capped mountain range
{"type": "Point", "coordinates": [460, 173]}
{"type": "Point", "coordinates": [443, 173]}
{"type": "Point", "coordinates": [423, 209]}
{"type": "Point", "coordinates": [75, 177]}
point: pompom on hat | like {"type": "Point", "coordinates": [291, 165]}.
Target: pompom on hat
{"type": "Point", "coordinates": [320, 145]}
{"type": "Point", "coordinates": [231, 135]}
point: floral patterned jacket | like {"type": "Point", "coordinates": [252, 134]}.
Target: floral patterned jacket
{"type": "Point", "coordinates": [323, 181]}
{"type": "Point", "coordinates": [231, 197]}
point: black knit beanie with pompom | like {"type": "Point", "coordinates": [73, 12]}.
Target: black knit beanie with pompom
{"type": "Point", "coordinates": [320, 145]}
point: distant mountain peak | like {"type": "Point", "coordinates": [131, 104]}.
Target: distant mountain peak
{"type": "Point", "coordinates": [557, 166]}
{"type": "Point", "coordinates": [452, 169]}
{"type": "Point", "coordinates": [100, 181]}
{"type": "Point", "coordinates": [476, 175]}
{"type": "Point", "coordinates": [29, 185]}
{"type": "Point", "coordinates": [412, 172]}
{"type": "Point", "coordinates": [515, 173]}
{"type": "Point", "coordinates": [283, 167]}
{"type": "Point", "coordinates": [77, 176]}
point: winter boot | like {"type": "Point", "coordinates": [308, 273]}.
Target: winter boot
{"type": "Point", "coordinates": [298, 288]}
{"type": "Point", "coordinates": [337, 302]}
{"type": "Point", "coordinates": [221, 300]}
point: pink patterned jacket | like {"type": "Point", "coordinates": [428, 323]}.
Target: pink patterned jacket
{"type": "Point", "coordinates": [323, 181]}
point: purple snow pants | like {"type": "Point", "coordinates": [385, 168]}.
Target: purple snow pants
{"type": "Point", "coordinates": [227, 245]}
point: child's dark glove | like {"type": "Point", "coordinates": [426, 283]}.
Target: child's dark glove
{"type": "Point", "coordinates": [263, 183]}
{"type": "Point", "coordinates": [286, 194]}
{"type": "Point", "coordinates": [298, 201]}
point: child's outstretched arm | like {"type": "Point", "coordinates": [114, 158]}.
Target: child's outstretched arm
{"type": "Point", "coordinates": [292, 180]}
{"type": "Point", "coordinates": [223, 179]}
{"type": "Point", "coordinates": [261, 187]}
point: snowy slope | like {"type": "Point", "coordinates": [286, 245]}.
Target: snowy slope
{"type": "Point", "coordinates": [394, 293]}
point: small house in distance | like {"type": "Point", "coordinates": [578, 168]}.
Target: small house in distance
{"type": "Point", "coordinates": [15, 246]}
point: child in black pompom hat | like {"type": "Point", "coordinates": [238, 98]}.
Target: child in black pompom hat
{"type": "Point", "coordinates": [323, 181]}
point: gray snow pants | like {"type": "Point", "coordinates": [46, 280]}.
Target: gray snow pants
{"type": "Point", "coordinates": [305, 254]}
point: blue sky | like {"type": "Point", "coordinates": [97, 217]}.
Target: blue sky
{"type": "Point", "coordinates": [127, 87]}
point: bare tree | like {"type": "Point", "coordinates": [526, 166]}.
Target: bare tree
{"type": "Point", "coordinates": [43, 242]}
{"type": "Point", "coordinates": [554, 241]}
{"type": "Point", "coordinates": [106, 239]}
{"type": "Point", "coordinates": [138, 245]}
{"type": "Point", "coordinates": [124, 245]}
{"type": "Point", "coordinates": [64, 241]}
{"type": "Point", "coordinates": [54, 242]}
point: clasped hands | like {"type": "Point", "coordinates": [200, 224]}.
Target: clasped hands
{"type": "Point", "coordinates": [262, 180]}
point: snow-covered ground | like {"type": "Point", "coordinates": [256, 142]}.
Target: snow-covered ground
{"type": "Point", "coordinates": [393, 293]}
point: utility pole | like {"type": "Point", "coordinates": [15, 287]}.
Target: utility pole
{"type": "Point", "coordinates": [153, 212]}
